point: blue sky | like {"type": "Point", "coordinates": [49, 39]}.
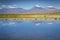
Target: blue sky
{"type": "Point", "coordinates": [30, 3]}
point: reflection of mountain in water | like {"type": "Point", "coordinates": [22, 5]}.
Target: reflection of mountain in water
{"type": "Point", "coordinates": [11, 21]}
{"type": "Point", "coordinates": [27, 30]}
{"type": "Point", "coordinates": [34, 9]}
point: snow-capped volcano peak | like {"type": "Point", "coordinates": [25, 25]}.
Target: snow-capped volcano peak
{"type": "Point", "coordinates": [51, 7]}
{"type": "Point", "coordinates": [37, 5]}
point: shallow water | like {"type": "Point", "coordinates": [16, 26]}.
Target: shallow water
{"type": "Point", "coordinates": [29, 30]}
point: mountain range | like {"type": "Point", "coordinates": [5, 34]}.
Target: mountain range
{"type": "Point", "coordinates": [33, 9]}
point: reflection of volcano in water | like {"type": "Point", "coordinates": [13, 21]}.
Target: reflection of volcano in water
{"type": "Point", "coordinates": [14, 21]}
{"type": "Point", "coordinates": [11, 21]}
{"type": "Point", "coordinates": [15, 29]}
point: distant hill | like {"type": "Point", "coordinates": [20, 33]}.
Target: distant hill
{"type": "Point", "coordinates": [12, 10]}
{"type": "Point", "coordinates": [47, 9]}
{"type": "Point", "coordinates": [34, 9]}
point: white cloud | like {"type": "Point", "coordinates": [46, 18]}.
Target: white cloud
{"type": "Point", "coordinates": [50, 6]}
{"type": "Point", "coordinates": [0, 7]}
{"type": "Point", "coordinates": [37, 5]}
{"type": "Point", "coordinates": [8, 6]}
{"type": "Point", "coordinates": [3, 6]}
{"type": "Point", "coordinates": [12, 6]}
